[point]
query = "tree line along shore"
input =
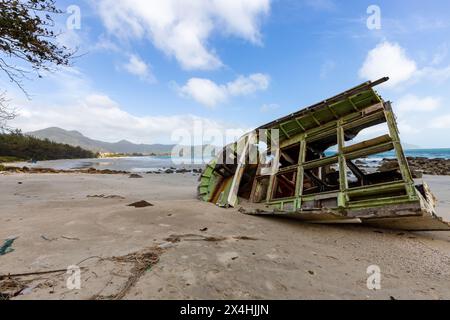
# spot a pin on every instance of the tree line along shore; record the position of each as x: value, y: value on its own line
x: 16, y: 146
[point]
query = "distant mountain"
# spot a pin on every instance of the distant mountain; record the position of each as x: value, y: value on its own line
x: 75, y: 138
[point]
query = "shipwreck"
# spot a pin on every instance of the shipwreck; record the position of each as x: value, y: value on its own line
x: 314, y: 169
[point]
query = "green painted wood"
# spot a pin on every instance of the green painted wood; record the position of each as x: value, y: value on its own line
x: 223, y: 199
x: 391, y: 186
x: 345, y: 112
x: 370, y: 151
x: 273, y: 177
x: 367, y: 144
x: 300, y: 174
x: 321, y: 162
x: 403, y: 163
x: 380, y: 202
x: 207, y: 182
x: 317, y: 118
x: 343, y: 180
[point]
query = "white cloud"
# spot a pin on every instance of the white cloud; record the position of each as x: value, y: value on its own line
x: 412, y: 103
x: 247, y: 85
x: 438, y: 75
x: 69, y: 102
x: 210, y: 94
x: 440, y: 55
x: 99, y: 117
x: 388, y: 59
x: 182, y: 28
x: 204, y: 91
x: 406, y: 128
x: 70, y: 39
x: 410, y: 109
x: 103, y: 43
x: 136, y: 66
x: 441, y: 122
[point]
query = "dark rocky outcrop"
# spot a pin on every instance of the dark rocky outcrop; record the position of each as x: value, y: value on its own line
x: 54, y: 171
x: 420, y: 166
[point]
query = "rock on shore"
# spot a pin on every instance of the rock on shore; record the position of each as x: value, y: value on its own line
x: 419, y: 166
x: 46, y: 170
x: 95, y: 171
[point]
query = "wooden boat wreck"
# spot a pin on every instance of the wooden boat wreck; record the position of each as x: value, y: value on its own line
x: 313, y: 169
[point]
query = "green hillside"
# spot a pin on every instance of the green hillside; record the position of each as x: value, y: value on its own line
x: 16, y: 146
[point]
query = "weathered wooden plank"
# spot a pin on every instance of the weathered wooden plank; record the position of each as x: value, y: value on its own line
x: 367, y: 144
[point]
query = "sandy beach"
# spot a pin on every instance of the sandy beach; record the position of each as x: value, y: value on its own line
x: 200, y: 251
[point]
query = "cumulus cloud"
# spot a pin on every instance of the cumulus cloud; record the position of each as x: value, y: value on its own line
x: 204, y: 91
x: 99, y: 117
x: 390, y: 59
x: 72, y: 104
x: 136, y: 66
x: 181, y: 29
x: 210, y: 94
x: 247, y: 85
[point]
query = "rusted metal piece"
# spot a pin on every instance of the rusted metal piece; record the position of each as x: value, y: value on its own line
x: 315, y: 171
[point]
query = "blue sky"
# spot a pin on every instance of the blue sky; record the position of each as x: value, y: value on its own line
x: 150, y: 68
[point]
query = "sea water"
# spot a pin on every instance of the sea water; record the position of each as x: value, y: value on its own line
x: 150, y: 164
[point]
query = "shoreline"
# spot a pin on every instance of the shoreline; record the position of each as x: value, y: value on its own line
x: 27, y: 170
x: 129, y: 165
x: 418, y: 165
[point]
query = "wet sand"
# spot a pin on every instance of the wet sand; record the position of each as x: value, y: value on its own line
x: 59, y: 225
